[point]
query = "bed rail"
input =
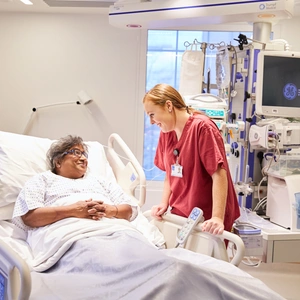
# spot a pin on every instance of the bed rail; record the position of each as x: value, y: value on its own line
x: 129, y: 175
x: 16, y: 275
x: 198, y: 241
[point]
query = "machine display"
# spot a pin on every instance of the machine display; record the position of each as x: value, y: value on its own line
x: 278, y: 84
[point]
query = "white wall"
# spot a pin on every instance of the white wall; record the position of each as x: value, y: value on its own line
x: 49, y: 58
x: 289, y: 31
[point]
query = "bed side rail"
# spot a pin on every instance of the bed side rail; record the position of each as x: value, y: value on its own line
x: 129, y: 175
x: 15, y: 272
x: 198, y: 241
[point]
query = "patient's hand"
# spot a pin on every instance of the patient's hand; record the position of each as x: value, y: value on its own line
x: 89, y: 209
x: 42, y: 216
x: 120, y: 211
x: 95, y: 209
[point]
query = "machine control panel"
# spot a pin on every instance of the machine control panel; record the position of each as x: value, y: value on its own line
x: 213, y: 113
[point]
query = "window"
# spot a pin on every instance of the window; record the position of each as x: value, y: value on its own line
x: 165, y: 49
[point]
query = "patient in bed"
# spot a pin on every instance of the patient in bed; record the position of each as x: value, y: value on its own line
x: 40, y: 201
x: 83, y: 226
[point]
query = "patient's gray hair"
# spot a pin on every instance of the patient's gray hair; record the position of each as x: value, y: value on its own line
x: 59, y: 147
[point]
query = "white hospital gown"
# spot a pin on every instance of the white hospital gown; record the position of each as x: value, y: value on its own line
x: 45, y: 189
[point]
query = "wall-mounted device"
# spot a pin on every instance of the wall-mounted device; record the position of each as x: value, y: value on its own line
x: 165, y: 13
x: 83, y: 97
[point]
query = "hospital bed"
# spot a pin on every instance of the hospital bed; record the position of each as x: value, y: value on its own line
x: 22, y: 156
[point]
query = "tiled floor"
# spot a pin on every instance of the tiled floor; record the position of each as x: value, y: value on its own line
x: 283, y: 278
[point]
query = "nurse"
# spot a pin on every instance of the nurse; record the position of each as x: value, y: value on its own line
x: 191, y: 152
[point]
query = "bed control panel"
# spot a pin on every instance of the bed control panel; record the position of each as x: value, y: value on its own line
x: 3, y: 284
x: 193, y: 219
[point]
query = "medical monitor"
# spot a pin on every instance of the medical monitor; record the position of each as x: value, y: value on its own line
x: 278, y: 84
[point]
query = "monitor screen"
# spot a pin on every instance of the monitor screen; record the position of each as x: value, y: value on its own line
x: 278, y: 84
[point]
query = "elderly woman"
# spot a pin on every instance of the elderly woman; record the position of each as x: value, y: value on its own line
x: 39, y: 204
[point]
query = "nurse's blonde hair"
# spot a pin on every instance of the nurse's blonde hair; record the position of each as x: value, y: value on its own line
x: 163, y: 92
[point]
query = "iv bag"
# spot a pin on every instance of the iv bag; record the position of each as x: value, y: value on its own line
x: 222, y: 69
x: 191, y: 74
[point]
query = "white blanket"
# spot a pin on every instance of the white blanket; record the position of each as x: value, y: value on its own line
x: 50, y: 242
x: 111, y: 259
x: 125, y: 266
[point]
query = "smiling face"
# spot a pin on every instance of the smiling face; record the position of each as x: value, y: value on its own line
x: 71, y: 165
x: 162, y: 116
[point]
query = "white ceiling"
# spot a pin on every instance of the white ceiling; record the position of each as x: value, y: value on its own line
x: 41, y: 6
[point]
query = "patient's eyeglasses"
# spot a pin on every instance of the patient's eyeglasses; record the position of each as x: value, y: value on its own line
x: 77, y: 153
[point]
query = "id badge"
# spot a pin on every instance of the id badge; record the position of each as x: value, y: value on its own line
x: 176, y: 170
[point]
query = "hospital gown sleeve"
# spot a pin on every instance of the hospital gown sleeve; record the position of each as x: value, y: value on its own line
x: 31, y: 196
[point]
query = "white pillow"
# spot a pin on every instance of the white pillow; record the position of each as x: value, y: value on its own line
x: 22, y: 156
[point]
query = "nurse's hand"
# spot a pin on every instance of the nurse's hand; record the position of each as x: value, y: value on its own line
x: 158, y: 210
x: 214, y: 226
